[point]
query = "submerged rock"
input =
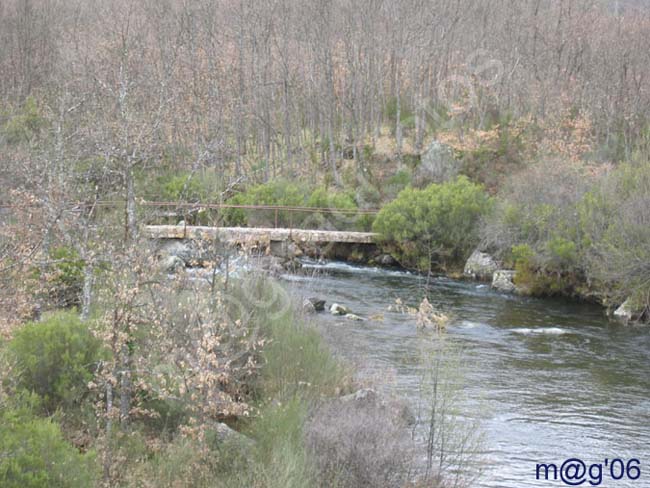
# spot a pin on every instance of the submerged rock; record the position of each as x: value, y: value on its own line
x: 337, y: 309
x: 313, y: 305
x: 503, y: 280
x: 351, y: 316
x: 480, y: 266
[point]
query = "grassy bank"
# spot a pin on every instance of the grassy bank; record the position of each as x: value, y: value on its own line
x: 258, y: 367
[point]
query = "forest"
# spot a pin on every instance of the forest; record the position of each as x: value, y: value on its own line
x: 520, y: 128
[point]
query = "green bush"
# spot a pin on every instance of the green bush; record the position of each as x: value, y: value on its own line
x: 555, y: 273
x: 522, y: 253
x: 297, y: 361
x: 280, y: 193
x: 280, y: 456
x: 348, y: 219
x: 204, y: 185
x: 26, y: 124
x: 563, y: 253
x: 286, y: 194
x: 34, y: 454
x: 182, y: 462
x: 183, y: 187
x: 437, y: 223
x: 277, y: 460
x: 324, y: 198
x: 56, y: 358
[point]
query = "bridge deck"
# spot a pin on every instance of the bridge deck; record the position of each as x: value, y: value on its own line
x: 238, y: 235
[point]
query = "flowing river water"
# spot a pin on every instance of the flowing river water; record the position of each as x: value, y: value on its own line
x: 554, y: 379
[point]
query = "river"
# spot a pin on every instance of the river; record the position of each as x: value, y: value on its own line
x: 555, y: 379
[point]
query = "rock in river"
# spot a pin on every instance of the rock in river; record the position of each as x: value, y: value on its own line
x: 171, y: 264
x: 480, y: 266
x: 312, y: 304
x: 628, y: 312
x: 351, y: 316
x: 337, y: 309
x: 502, y: 280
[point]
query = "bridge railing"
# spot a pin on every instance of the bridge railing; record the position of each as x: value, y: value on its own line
x: 222, y: 214
x: 275, y: 216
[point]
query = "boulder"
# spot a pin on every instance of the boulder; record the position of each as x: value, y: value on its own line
x: 313, y: 305
x: 223, y: 433
x: 337, y: 309
x: 502, y: 280
x: 171, y: 264
x: 480, y: 266
x: 438, y: 165
x: 628, y: 312
x: 386, y: 260
x: 177, y: 247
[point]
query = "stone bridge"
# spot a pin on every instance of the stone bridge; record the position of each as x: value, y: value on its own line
x: 317, y: 243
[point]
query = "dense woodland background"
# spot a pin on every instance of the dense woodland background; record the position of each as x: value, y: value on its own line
x: 273, y: 87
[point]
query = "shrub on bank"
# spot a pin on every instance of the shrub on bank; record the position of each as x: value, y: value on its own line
x: 297, y: 362
x: 615, y: 230
x: 356, y: 444
x: 56, y: 358
x: 34, y: 454
x: 438, y: 224
x: 568, y: 233
x: 543, y: 276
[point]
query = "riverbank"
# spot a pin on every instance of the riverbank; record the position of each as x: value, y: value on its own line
x: 241, y: 391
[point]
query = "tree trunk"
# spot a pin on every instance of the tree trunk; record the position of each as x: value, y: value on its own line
x: 86, y: 296
x: 125, y: 385
x: 131, y: 230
